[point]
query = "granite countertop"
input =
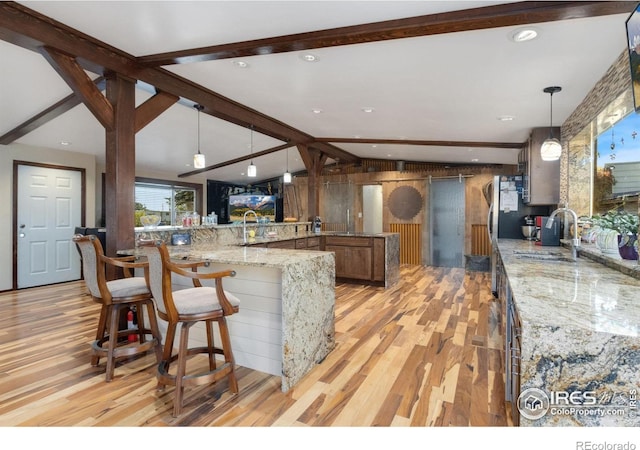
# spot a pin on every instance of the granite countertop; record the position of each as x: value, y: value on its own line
x: 583, y: 295
x: 580, y: 324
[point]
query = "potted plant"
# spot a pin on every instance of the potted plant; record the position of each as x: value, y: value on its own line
x: 620, y: 225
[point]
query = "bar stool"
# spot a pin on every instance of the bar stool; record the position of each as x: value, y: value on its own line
x: 188, y: 307
x: 114, y: 296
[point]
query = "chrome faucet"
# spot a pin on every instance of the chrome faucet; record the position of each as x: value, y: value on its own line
x: 575, y: 242
x: 244, y: 224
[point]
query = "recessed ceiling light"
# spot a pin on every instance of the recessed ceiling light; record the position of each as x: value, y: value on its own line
x: 475, y: 160
x: 506, y: 118
x: 316, y: 110
x: 65, y: 143
x: 524, y: 34
x: 367, y: 109
x: 241, y: 64
x: 308, y: 57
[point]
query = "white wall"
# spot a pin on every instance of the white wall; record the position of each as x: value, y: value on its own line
x: 18, y: 152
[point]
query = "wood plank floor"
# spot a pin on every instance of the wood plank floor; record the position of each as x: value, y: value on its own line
x: 427, y: 352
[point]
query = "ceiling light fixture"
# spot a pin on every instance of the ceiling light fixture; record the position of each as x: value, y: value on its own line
x: 551, y: 148
x: 367, y: 109
x: 241, y: 64
x: 198, y: 158
x: 308, y: 57
x: 252, y: 170
x: 524, y: 34
x: 287, y: 174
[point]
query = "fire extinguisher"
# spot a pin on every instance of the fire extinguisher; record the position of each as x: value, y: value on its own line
x: 133, y: 336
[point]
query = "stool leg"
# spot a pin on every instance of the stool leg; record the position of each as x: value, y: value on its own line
x: 228, y: 353
x: 183, y: 350
x: 211, y: 345
x: 168, y: 348
x: 113, y: 340
x: 102, y: 323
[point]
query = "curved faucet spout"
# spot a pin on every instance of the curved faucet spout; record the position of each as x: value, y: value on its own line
x: 575, y: 242
x: 244, y: 224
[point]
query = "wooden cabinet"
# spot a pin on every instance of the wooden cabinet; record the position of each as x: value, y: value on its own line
x: 541, y: 179
x: 360, y: 258
x: 355, y: 257
x: 308, y: 243
x: 291, y: 243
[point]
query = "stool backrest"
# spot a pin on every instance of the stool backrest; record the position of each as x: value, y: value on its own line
x: 92, y: 266
x: 155, y: 250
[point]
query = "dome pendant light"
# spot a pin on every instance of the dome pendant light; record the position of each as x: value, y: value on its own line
x: 287, y: 174
x: 551, y: 148
x: 251, y: 170
x: 198, y: 158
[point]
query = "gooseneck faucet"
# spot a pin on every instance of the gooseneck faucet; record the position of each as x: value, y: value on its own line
x: 575, y: 242
x: 244, y: 224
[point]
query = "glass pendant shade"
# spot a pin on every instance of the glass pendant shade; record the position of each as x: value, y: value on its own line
x: 251, y: 170
x: 550, y: 150
x: 287, y: 175
x: 198, y: 160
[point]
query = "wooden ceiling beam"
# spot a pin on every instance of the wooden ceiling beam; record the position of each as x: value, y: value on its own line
x: 509, y: 14
x: 29, y: 29
x: 83, y: 86
x: 236, y: 160
x: 474, y: 144
x: 53, y: 111
x: 152, y: 108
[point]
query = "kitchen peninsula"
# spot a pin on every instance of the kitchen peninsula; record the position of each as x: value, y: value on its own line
x: 573, y: 327
x: 287, y: 291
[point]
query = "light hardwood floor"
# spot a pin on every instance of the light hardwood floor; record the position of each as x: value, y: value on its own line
x: 427, y: 352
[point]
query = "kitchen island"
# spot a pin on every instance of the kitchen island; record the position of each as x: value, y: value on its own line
x: 573, y: 338
x: 287, y: 298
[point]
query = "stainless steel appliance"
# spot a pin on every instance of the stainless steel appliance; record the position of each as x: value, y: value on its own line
x: 507, y: 213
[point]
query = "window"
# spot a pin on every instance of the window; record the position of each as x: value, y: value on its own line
x: 167, y: 199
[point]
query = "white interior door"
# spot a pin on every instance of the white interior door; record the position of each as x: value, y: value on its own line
x: 49, y: 208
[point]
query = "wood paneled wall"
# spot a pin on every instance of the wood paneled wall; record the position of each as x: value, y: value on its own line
x: 410, y: 242
x: 480, y: 241
x: 476, y: 207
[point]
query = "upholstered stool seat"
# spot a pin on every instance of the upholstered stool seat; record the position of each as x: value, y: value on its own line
x: 115, y: 296
x: 188, y: 307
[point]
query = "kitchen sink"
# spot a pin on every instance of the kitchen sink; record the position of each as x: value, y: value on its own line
x: 542, y: 255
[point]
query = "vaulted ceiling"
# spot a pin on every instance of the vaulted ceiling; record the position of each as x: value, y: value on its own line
x: 401, y: 80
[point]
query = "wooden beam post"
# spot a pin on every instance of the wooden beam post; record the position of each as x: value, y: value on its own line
x: 120, y: 170
x: 314, y: 161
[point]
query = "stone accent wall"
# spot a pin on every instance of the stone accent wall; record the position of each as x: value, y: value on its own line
x: 615, y: 82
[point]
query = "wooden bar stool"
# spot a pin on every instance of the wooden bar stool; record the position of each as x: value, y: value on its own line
x: 187, y: 307
x: 114, y: 296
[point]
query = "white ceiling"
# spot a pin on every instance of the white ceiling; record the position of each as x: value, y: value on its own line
x: 447, y: 87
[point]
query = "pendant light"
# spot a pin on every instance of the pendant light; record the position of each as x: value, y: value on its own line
x: 287, y: 174
x: 551, y: 148
x: 251, y: 170
x: 198, y: 158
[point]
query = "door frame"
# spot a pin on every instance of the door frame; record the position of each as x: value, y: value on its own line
x: 14, y: 212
